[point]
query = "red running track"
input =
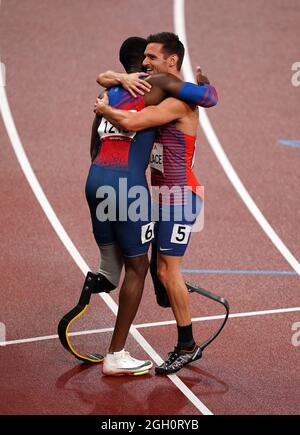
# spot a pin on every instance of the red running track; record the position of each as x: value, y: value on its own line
x: 51, y: 64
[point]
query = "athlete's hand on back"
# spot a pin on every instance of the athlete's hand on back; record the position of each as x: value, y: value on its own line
x: 201, y: 79
x: 134, y: 84
x: 100, y: 103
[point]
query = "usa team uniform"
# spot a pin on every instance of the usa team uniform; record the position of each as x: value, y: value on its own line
x: 181, y: 196
x: 119, y: 168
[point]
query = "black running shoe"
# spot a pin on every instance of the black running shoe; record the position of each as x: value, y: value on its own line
x: 178, y: 359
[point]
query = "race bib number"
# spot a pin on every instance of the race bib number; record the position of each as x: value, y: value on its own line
x: 157, y: 157
x: 147, y: 232
x: 106, y: 129
x: 181, y: 234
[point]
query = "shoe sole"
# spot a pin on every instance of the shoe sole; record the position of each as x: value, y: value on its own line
x: 162, y: 371
x: 127, y: 373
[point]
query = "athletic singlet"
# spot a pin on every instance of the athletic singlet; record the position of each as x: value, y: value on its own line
x: 172, y: 162
x: 120, y: 149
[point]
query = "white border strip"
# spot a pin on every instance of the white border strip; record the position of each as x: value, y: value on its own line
x: 67, y: 242
x: 179, y: 23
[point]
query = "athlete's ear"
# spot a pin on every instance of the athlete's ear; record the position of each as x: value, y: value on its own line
x: 173, y: 59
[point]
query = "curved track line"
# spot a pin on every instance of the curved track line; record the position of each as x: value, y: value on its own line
x: 67, y: 242
x: 179, y: 24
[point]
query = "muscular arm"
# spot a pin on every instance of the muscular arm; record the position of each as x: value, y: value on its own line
x: 163, y: 85
x: 203, y: 94
x: 110, y: 78
x: 168, y: 110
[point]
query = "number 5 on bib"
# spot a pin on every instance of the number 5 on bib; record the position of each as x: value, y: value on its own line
x: 181, y: 234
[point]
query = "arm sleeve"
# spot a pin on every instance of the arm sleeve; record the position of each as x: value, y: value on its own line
x: 200, y: 95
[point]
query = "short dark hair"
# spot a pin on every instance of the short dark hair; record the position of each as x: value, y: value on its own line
x: 171, y: 45
x: 131, y: 53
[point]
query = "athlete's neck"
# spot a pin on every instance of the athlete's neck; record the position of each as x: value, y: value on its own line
x: 174, y: 71
x: 177, y: 74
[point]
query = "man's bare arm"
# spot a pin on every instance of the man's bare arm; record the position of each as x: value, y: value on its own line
x: 203, y: 94
x: 152, y: 116
x: 171, y: 84
x: 164, y: 85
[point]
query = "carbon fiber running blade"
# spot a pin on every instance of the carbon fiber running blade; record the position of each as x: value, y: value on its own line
x: 91, y: 358
x: 193, y: 288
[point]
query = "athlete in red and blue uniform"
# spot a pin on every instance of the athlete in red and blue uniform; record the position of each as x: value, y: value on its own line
x: 181, y: 195
x: 118, y: 168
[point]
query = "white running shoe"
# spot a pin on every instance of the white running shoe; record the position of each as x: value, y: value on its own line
x: 122, y: 363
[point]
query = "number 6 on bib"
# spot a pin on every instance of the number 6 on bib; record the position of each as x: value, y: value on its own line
x: 147, y: 232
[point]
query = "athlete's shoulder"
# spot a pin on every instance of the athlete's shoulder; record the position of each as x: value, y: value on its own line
x: 120, y: 98
x: 165, y: 81
x: 117, y: 92
x: 158, y: 77
x: 175, y: 104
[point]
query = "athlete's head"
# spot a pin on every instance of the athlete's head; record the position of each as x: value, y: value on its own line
x: 164, y: 53
x: 131, y: 53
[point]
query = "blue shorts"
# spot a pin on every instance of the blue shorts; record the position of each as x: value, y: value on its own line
x: 172, y: 231
x: 110, y: 210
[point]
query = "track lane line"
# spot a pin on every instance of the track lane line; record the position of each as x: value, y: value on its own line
x: 180, y: 29
x: 55, y: 336
x: 154, y: 324
x: 67, y: 242
x: 220, y: 317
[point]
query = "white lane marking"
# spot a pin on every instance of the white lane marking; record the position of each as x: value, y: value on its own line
x: 69, y: 245
x: 179, y: 20
x: 154, y: 324
x: 33, y: 181
x: 55, y: 336
x: 2, y: 73
x: 219, y: 317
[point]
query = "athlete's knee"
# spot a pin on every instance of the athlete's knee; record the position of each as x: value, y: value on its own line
x: 162, y: 272
x: 168, y: 272
x: 143, y: 266
x: 138, y: 266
